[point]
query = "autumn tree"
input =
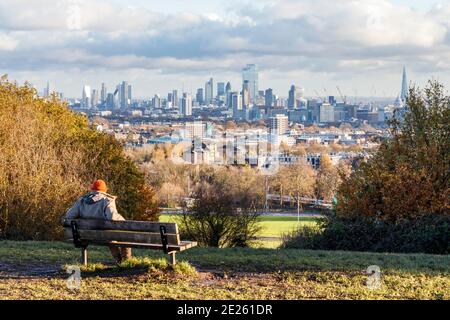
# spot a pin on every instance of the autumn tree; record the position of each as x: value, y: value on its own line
x: 409, y: 177
x: 300, y: 183
x: 49, y: 157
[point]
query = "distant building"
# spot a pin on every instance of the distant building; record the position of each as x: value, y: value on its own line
x: 220, y: 89
x: 404, y: 92
x: 209, y: 91
x: 175, y: 98
x: 103, y: 94
x: 236, y: 104
x: 94, y: 98
x: 124, y: 95
x: 279, y: 124
x: 268, y: 98
x: 250, y: 74
x: 194, y: 130
x: 199, y: 96
x: 186, y: 105
x: 326, y: 113
x: 156, y: 102
x: 245, y: 94
x: 295, y: 95
x: 227, y: 95
x: 86, y: 97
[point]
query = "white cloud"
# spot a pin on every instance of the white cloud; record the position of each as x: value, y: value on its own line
x: 7, y: 43
x: 335, y: 37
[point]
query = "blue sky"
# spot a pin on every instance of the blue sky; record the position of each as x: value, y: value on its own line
x: 359, y: 45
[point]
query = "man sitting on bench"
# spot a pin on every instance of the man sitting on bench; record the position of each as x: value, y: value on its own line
x: 97, y: 204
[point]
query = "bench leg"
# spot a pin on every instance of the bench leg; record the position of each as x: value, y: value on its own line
x: 84, y: 256
x: 172, y: 258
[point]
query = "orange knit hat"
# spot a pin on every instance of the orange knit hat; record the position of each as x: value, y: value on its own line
x: 99, y: 185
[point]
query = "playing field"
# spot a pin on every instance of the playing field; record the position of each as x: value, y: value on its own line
x: 272, y: 227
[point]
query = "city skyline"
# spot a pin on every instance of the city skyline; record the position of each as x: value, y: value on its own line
x: 359, y: 46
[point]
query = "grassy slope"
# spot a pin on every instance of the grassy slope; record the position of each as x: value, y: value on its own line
x: 268, y: 274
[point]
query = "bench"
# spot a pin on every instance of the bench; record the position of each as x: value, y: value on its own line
x: 133, y: 234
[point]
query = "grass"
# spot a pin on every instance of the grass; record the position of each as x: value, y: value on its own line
x: 232, y: 273
x: 271, y: 226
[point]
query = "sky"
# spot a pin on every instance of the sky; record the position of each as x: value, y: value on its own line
x: 358, y: 45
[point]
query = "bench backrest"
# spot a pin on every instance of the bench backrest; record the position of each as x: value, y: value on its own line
x: 123, y: 231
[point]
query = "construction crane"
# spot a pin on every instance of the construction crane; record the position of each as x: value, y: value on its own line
x: 318, y: 95
x: 344, y: 98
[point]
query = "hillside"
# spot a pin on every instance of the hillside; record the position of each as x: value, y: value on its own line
x: 32, y: 270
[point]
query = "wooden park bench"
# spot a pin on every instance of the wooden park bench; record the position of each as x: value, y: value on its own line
x: 134, y: 234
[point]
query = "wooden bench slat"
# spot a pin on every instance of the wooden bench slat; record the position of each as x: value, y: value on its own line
x: 128, y: 225
x: 124, y: 236
x: 152, y: 246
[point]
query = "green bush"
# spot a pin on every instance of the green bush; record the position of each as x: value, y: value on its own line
x: 429, y: 234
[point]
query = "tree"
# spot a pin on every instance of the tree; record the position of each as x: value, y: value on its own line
x: 49, y: 157
x: 301, y: 182
x: 327, y: 180
x: 408, y: 178
x: 225, y: 209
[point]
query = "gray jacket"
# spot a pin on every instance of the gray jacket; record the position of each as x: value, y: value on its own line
x: 94, y: 205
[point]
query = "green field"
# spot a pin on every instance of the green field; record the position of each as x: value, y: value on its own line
x: 272, y: 226
x: 33, y: 270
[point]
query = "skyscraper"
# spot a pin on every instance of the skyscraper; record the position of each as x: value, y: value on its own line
x: 86, y: 97
x: 268, y: 97
x: 295, y: 94
x: 103, y: 94
x: 404, y: 92
x: 125, y: 95
x: 186, y: 104
x: 199, y: 96
x: 250, y: 74
x: 156, y: 102
x: 47, y: 90
x: 246, y: 94
x: 94, y: 98
x: 175, y: 98
x: 236, y: 104
x: 209, y: 91
x: 220, y: 89
x: 227, y: 95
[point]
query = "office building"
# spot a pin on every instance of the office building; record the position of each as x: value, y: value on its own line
x: 295, y: 96
x: 103, y: 94
x: 236, y: 104
x: 199, y: 96
x: 186, y: 105
x: 220, y: 89
x: 175, y: 98
x: 228, y: 95
x: 268, y: 98
x: 326, y: 113
x: 209, y: 91
x: 86, y: 97
x: 250, y: 74
x: 246, y: 94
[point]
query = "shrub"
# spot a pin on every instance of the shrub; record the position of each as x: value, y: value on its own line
x: 429, y: 234
x: 224, y: 212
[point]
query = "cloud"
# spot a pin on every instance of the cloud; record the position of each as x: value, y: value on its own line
x: 340, y: 37
x: 7, y: 43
